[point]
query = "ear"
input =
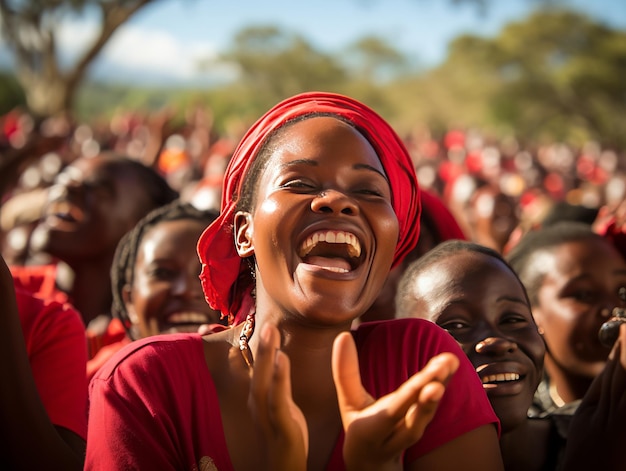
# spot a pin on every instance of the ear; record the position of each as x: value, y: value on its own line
x: 130, y: 309
x: 243, y: 230
x: 538, y: 316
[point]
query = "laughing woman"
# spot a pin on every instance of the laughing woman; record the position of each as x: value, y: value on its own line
x: 320, y: 200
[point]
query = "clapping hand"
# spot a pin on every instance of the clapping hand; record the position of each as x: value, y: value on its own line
x: 378, y: 431
x: 279, y: 419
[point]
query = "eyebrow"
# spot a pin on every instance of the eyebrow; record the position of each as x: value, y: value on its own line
x: 514, y: 300
x: 314, y: 163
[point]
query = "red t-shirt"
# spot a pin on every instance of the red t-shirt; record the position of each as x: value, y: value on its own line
x: 55, y: 341
x: 154, y: 404
x: 41, y: 280
x: 107, y: 351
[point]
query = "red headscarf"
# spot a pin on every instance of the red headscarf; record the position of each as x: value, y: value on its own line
x: 444, y: 223
x: 226, y: 278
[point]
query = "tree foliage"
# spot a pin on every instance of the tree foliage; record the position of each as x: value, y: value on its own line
x: 275, y: 64
x: 556, y: 74
x: 31, y: 28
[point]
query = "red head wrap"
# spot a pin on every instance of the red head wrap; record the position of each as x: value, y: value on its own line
x: 444, y: 223
x: 226, y: 278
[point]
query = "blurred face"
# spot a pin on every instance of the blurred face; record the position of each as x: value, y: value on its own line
x: 579, y: 290
x: 478, y: 300
x: 91, y: 206
x: 323, y: 230
x: 166, y: 294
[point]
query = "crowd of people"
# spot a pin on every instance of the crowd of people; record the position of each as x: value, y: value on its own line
x: 317, y: 292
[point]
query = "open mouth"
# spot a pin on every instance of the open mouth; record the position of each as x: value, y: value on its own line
x: 187, y: 321
x: 65, y: 212
x: 337, y: 251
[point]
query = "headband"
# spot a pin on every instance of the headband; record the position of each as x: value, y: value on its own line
x: 226, y: 278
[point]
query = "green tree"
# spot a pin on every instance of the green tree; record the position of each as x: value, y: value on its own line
x: 556, y: 74
x: 11, y: 94
x: 275, y: 64
x: 374, y: 59
x: 31, y: 28
x: 562, y: 74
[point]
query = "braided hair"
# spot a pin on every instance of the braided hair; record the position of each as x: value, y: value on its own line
x: 123, y: 266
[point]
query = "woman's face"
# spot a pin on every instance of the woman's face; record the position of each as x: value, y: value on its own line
x: 166, y: 294
x: 91, y: 206
x: 579, y: 289
x: 323, y: 230
x: 478, y: 300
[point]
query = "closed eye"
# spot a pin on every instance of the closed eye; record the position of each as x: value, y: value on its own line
x: 453, y: 325
x: 514, y: 320
x: 162, y: 273
x: 298, y: 185
x: 370, y: 192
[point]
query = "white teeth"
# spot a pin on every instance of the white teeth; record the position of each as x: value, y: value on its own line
x: 332, y: 237
x: 500, y: 377
x: 187, y: 317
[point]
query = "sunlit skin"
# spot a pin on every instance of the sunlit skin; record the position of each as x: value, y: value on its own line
x: 579, y: 290
x: 93, y: 203
x: 308, y: 189
x: 482, y: 304
x: 91, y: 206
x: 323, y: 176
x: 384, y: 306
x: 166, y: 295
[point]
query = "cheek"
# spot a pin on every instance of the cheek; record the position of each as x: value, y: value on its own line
x: 388, y: 231
x: 536, y: 349
x: 146, y: 296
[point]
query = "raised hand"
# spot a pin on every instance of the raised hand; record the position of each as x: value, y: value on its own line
x: 378, y: 431
x: 598, y: 428
x: 283, y: 428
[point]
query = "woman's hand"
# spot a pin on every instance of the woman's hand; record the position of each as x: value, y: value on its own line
x: 283, y: 428
x: 378, y: 431
x: 598, y: 428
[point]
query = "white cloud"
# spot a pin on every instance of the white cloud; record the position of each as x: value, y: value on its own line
x: 140, y: 55
x: 152, y: 56
x: 152, y: 51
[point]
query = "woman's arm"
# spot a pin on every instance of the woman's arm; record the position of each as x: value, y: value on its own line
x: 30, y: 440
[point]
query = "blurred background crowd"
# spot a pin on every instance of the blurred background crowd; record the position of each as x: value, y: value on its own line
x: 497, y: 188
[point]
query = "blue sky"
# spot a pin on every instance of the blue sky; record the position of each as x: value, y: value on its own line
x: 165, y: 40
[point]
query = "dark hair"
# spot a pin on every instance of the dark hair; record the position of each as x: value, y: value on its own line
x: 443, y: 250
x: 123, y: 266
x: 563, y: 211
x: 158, y: 191
x: 544, y: 239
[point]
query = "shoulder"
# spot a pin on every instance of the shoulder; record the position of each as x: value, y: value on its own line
x: 152, y: 354
x: 49, y: 319
x: 407, y: 343
x: 397, y: 331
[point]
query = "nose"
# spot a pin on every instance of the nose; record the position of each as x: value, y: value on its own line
x: 495, y: 346
x: 334, y: 201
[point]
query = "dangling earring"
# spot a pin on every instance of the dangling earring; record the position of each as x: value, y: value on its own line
x: 244, y: 338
